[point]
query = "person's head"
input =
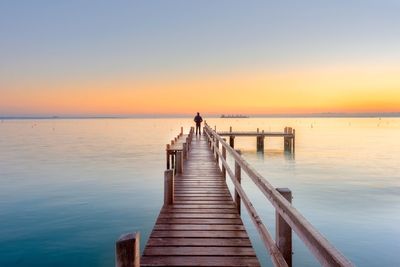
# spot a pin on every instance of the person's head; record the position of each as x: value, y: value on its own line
x: 198, y: 113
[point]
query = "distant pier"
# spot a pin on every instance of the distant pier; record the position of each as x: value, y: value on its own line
x: 200, y: 222
x: 289, y: 137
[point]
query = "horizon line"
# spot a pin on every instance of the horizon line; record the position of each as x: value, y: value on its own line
x: 149, y: 116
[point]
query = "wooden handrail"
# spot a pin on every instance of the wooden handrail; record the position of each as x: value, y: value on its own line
x: 320, y: 247
x: 266, y: 237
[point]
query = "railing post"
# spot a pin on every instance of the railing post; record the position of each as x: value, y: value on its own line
x: 127, y: 250
x: 217, y: 149
x: 179, y: 162
x: 232, y: 141
x: 224, y: 156
x: 169, y: 187
x: 238, y: 177
x: 184, y: 150
x: 294, y: 141
x: 283, y: 231
x: 167, y: 154
x: 286, y: 140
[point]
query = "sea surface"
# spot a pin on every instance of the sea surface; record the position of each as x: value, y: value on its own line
x: 70, y: 187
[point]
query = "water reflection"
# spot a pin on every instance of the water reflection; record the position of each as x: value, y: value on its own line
x: 69, y: 188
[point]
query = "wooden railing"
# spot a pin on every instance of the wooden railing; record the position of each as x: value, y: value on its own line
x: 287, y: 217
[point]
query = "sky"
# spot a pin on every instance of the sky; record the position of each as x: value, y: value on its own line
x: 180, y: 57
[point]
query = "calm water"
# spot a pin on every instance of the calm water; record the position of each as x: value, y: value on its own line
x: 69, y: 188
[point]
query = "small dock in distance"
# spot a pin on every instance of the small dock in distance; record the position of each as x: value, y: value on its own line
x: 288, y: 134
x: 200, y: 222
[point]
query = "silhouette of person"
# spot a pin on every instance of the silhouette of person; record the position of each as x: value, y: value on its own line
x: 198, y: 119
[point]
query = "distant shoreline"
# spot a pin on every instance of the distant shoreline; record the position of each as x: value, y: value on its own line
x: 158, y: 116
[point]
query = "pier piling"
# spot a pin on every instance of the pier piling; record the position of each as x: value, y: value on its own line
x: 127, y: 250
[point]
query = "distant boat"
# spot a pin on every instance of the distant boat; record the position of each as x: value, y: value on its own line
x: 234, y: 116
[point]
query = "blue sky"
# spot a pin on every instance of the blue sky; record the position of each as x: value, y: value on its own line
x: 85, y: 40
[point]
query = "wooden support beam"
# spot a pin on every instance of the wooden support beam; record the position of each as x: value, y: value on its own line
x: 232, y: 141
x: 127, y: 250
x: 217, y: 149
x: 168, y: 156
x: 179, y: 161
x: 238, y: 178
x: 224, y: 157
x: 184, y: 150
x: 168, y: 187
x: 283, y: 231
x: 260, y: 143
x: 294, y: 141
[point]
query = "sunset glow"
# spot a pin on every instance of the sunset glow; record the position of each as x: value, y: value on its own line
x: 129, y: 65
x: 305, y: 91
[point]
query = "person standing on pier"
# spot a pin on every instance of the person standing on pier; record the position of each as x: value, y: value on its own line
x: 198, y: 120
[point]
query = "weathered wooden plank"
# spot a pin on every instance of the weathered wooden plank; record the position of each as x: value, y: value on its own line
x: 182, y: 193
x: 195, y: 215
x: 203, y: 227
x: 201, y: 198
x: 233, y: 211
x: 198, y: 221
x: 199, y: 233
x: 199, y: 242
x: 204, y: 206
x: 210, y: 202
x: 200, y: 251
x: 199, y: 261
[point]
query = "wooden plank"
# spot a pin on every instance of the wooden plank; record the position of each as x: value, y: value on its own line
x: 198, y: 233
x: 195, y: 215
x: 203, y: 227
x: 200, y: 261
x: 210, y: 202
x: 204, y: 206
x: 201, y: 198
x: 233, y: 211
x: 200, y: 251
x: 199, y: 242
x: 198, y: 221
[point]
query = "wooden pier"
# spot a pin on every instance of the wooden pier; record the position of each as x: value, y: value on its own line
x: 200, y: 222
x: 289, y: 137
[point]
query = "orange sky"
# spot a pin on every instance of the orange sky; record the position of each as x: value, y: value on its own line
x: 327, y: 89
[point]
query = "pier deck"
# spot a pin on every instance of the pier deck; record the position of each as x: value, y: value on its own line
x: 200, y: 224
x: 202, y: 227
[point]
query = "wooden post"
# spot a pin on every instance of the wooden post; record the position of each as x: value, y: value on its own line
x: 232, y: 141
x: 217, y: 149
x: 230, y: 129
x: 283, y: 231
x: 184, y: 150
x: 238, y: 177
x: 172, y: 156
x: 127, y: 250
x: 179, y: 162
x: 260, y: 143
x: 224, y: 156
x: 290, y: 139
x: 286, y: 140
x: 181, y: 131
x: 169, y: 187
x: 294, y: 140
x: 167, y: 153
